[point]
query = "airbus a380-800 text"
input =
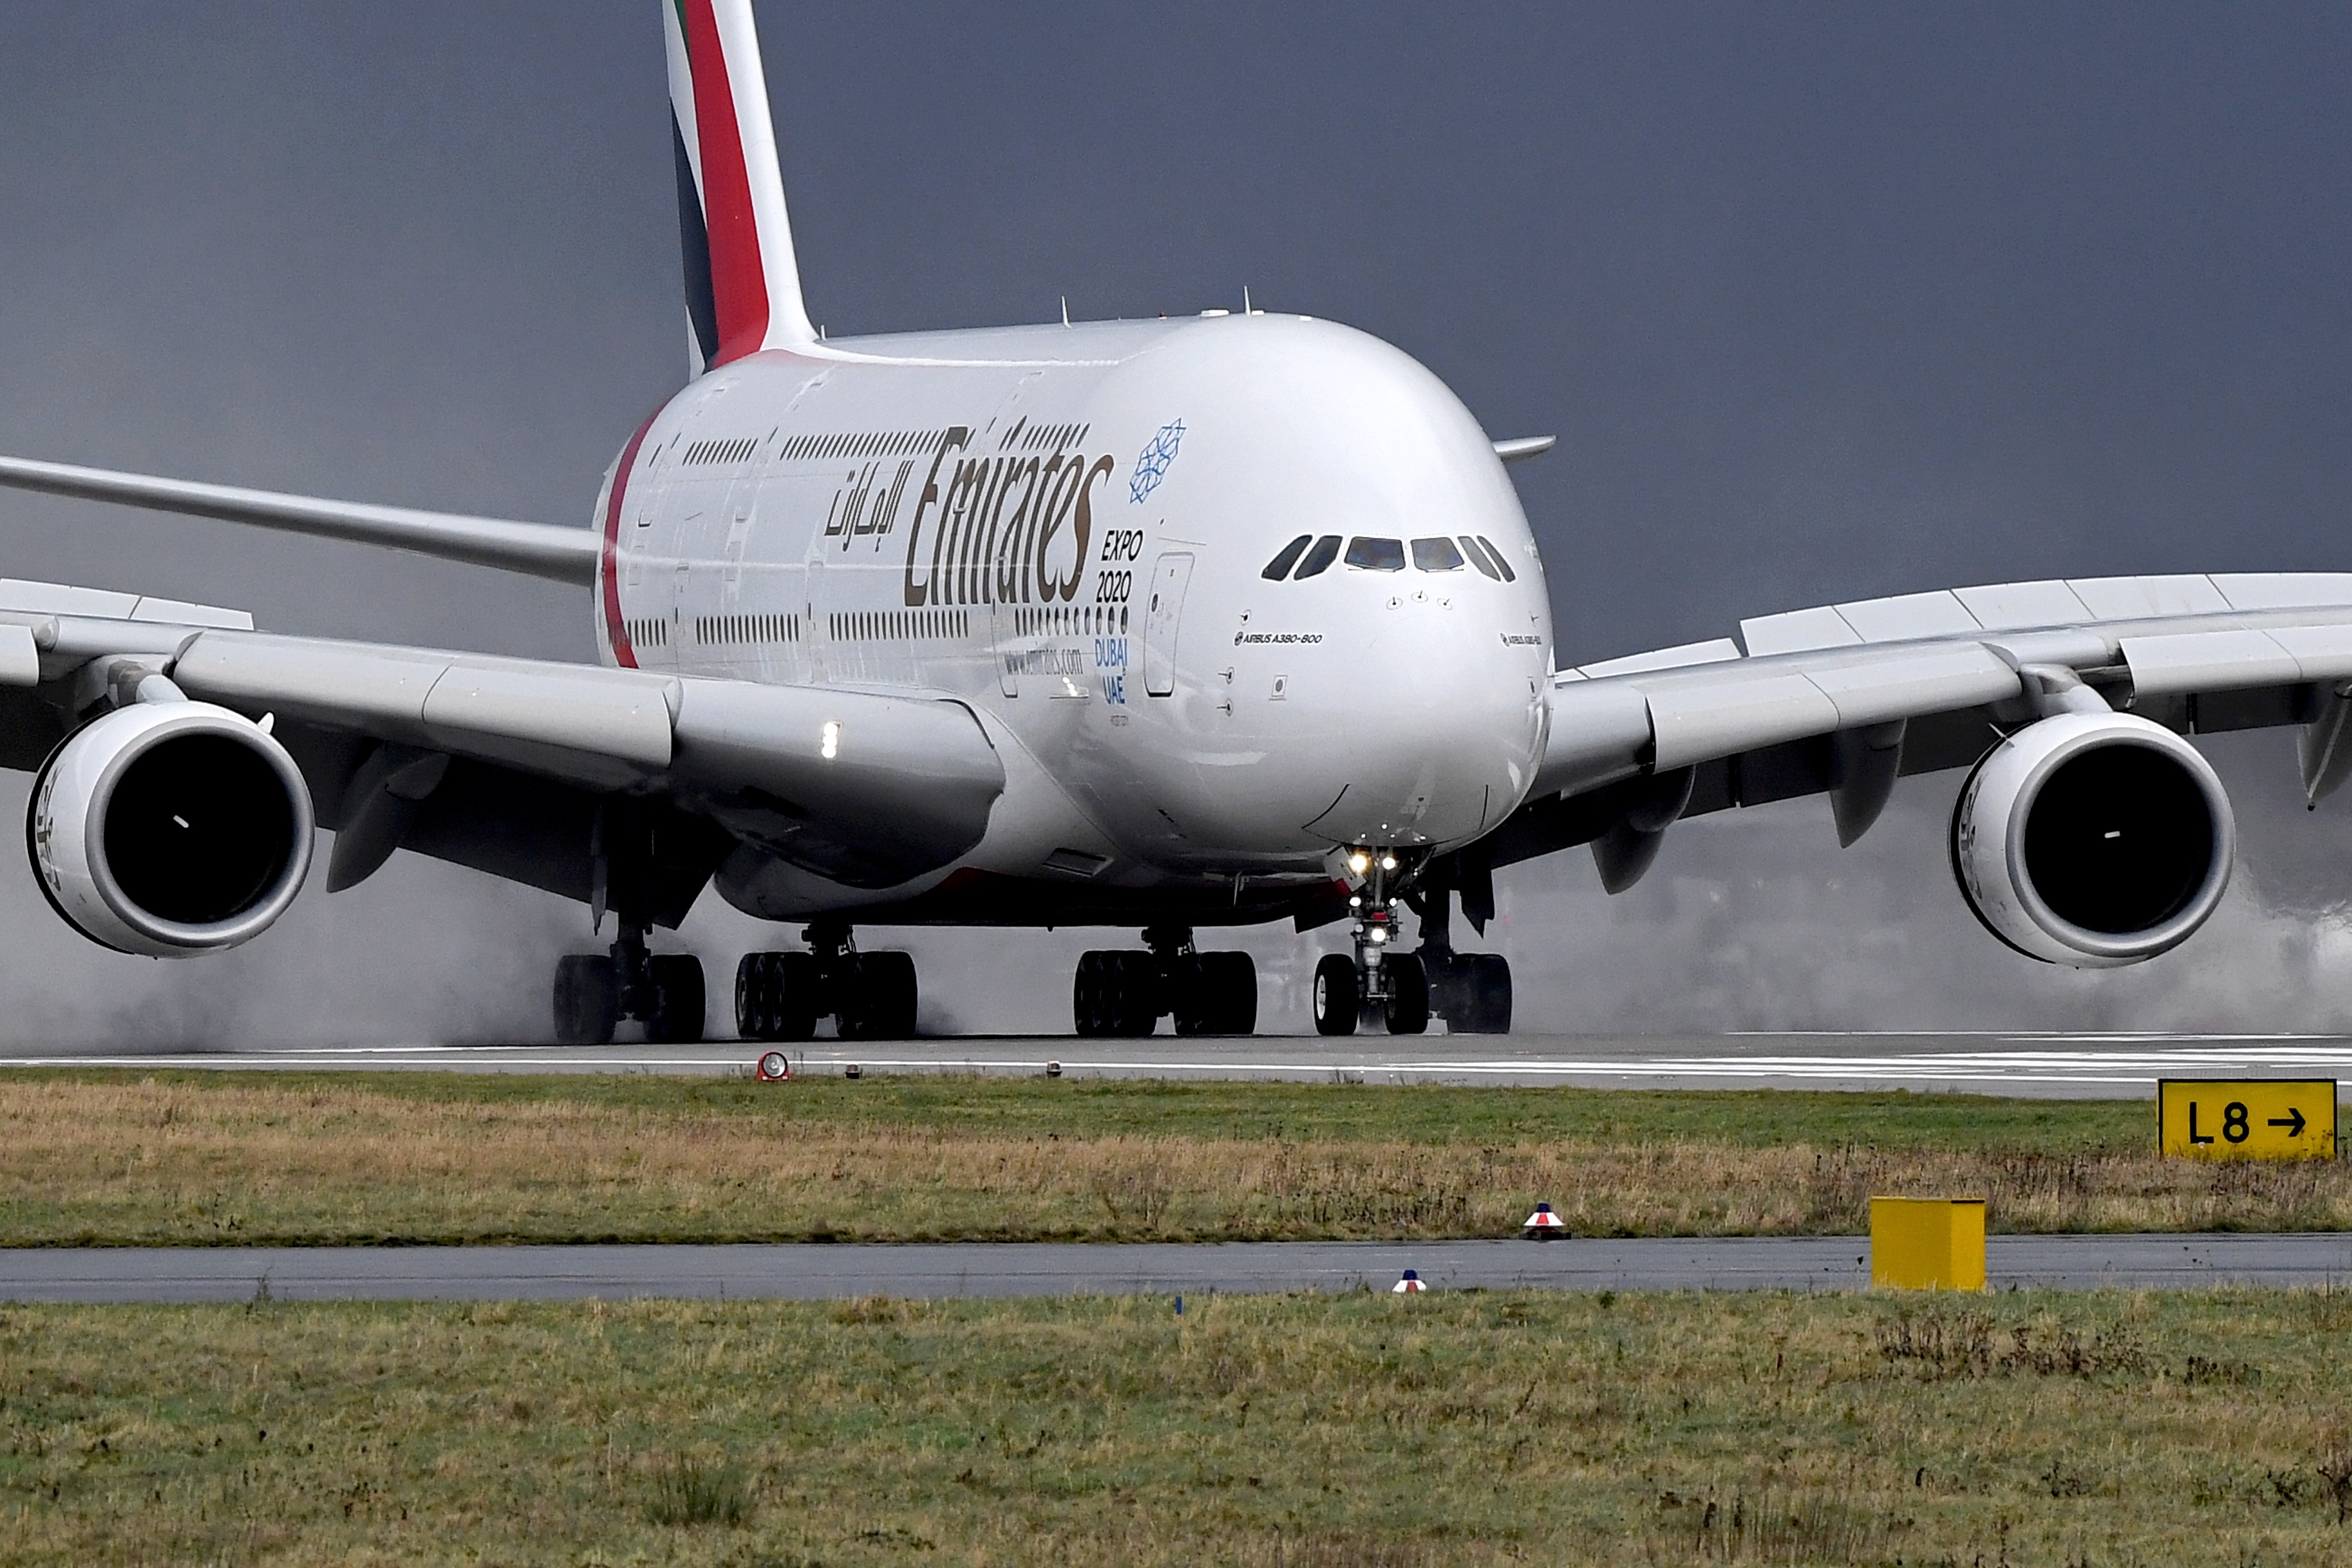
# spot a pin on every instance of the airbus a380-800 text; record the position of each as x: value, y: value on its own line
x: 1166, y: 625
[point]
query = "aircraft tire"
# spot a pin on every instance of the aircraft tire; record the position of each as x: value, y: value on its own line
x: 775, y: 997
x: 677, y: 1016
x: 883, y: 998
x: 1087, y: 1015
x: 1490, y: 991
x: 1135, y: 990
x: 1336, y: 994
x: 1408, y: 999
x: 1230, y: 982
x: 587, y: 999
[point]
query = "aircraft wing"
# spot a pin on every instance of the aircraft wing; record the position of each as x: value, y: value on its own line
x: 535, y: 549
x: 504, y: 764
x: 1843, y: 699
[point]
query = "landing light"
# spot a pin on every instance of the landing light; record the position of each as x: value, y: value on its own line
x: 829, y: 740
x: 1359, y: 862
x: 1379, y: 934
x: 1387, y: 862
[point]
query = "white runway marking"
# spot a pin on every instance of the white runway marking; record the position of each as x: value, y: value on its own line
x: 2091, y: 1066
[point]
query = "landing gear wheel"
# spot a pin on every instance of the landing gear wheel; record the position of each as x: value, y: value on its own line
x: 1229, y: 990
x: 775, y: 997
x: 587, y: 999
x: 879, y: 1004
x: 1490, y: 996
x: 1408, y: 999
x: 1116, y: 994
x: 1336, y: 995
x: 676, y: 1017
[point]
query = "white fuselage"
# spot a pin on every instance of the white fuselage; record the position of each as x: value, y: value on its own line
x: 1068, y: 529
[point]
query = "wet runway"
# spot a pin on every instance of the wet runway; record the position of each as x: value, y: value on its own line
x: 2081, y: 1065
x: 817, y: 1272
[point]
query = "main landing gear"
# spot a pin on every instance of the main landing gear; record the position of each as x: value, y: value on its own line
x: 1127, y: 994
x: 595, y: 991
x: 1380, y: 986
x: 781, y: 995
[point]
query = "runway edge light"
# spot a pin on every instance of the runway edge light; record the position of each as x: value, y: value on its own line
x: 2246, y: 1118
x: 1410, y: 1285
x: 1543, y: 1225
x: 1928, y: 1244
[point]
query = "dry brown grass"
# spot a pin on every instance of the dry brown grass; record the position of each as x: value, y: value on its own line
x: 241, y: 1160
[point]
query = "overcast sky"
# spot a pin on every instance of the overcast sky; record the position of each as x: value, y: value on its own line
x: 1822, y: 301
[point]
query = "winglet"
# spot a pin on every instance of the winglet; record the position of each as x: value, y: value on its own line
x: 742, y: 282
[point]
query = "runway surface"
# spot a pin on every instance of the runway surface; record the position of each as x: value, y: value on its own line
x: 2080, y: 1066
x: 818, y: 1272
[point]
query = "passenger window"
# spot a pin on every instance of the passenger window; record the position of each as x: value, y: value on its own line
x: 1279, y: 567
x: 1318, y: 559
x: 1437, y: 555
x: 1376, y: 554
x: 1508, y: 575
x: 1471, y: 548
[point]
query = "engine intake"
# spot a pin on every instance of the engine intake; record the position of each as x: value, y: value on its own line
x: 169, y: 829
x: 2093, y: 839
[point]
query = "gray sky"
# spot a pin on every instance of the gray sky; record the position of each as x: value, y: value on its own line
x: 1821, y: 300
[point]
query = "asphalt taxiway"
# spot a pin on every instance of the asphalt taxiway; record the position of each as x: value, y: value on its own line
x: 933, y: 1271
x: 2079, y: 1066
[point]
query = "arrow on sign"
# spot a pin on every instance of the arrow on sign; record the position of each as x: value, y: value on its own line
x: 2292, y: 1122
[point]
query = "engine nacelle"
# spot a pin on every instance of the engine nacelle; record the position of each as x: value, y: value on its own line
x: 169, y: 829
x: 2093, y: 839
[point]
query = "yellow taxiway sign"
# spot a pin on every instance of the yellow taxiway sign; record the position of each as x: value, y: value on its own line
x: 2247, y: 1119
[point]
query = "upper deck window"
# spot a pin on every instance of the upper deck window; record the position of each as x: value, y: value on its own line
x: 1376, y: 554
x: 1279, y: 567
x: 1436, y: 555
x: 1318, y: 559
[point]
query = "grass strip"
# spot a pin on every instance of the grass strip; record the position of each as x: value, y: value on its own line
x: 1451, y: 1429
x: 300, y: 1159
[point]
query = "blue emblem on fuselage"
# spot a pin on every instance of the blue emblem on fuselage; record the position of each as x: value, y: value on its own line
x: 1151, y: 466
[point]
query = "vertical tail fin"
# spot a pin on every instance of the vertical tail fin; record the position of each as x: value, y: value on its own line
x: 742, y: 283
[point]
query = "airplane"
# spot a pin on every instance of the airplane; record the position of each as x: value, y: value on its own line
x: 1159, y: 625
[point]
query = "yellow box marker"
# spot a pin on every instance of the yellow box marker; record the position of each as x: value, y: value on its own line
x: 2246, y: 1118
x: 1928, y: 1244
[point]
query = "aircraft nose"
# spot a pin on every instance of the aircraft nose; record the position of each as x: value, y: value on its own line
x: 1444, y: 724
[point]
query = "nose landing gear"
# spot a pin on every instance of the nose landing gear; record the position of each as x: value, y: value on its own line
x: 1127, y: 994
x: 1382, y: 986
x: 870, y: 995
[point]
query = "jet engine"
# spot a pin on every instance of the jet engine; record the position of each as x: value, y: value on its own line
x: 2093, y: 839
x: 169, y: 829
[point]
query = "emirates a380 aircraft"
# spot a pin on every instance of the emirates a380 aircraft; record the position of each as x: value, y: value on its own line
x: 1159, y: 624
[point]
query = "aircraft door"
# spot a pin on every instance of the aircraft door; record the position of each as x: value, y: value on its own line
x: 1169, y: 578
x: 1005, y: 644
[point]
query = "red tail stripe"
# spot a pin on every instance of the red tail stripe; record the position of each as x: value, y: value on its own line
x: 737, y: 281
x: 609, y: 567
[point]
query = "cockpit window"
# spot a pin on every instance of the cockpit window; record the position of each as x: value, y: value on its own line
x: 1376, y: 554
x: 1279, y: 567
x: 1477, y: 554
x: 1319, y: 559
x: 1436, y: 555
x: 1508, y: 575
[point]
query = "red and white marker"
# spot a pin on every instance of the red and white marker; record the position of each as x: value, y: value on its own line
x: 775, y: 1068
x: 1543, y: 1225
x: 1410, y: 1285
